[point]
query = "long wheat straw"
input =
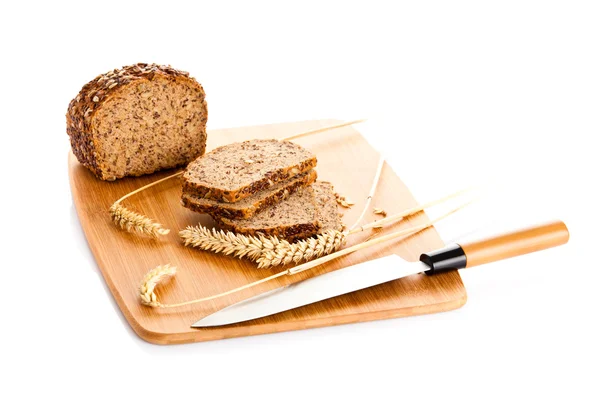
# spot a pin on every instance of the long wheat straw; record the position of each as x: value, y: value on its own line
x: 155, y: 276
x: 371, y: 192
x: 406, y: 213
x: 319, y: 130
x: 134, y: 222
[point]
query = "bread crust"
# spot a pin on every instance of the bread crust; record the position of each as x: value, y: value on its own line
x: 289, y: 232
x: 81, y: 110
x: 228, y: 210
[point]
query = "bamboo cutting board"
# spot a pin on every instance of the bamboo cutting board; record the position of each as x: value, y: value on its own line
x: 344, y: 158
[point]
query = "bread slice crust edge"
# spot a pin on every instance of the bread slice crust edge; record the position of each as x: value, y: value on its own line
x: 227, y: 211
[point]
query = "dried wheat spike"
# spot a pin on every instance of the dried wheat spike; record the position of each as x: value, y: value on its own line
x: 303, y: 250
x: 228, y: 243
x: 154, y: 277
x: 134, y: 222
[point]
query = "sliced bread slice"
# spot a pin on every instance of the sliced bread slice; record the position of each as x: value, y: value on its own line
x: 291, y: 219
x: 249, y: 206
x: 238, y: 170
x: 329, y: 215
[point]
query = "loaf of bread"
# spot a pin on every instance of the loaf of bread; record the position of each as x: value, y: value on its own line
x: 239, y: 170
x: 293, y: 218
x: 249, y: 206
x: 327, y: 208
x: 138, y: 120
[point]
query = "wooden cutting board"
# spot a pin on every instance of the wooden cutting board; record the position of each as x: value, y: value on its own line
x: 344, y: 158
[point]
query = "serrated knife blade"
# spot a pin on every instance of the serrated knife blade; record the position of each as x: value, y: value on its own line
x: 331, y: 284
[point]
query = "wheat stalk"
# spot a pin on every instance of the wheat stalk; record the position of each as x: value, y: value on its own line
x: 151, y: 279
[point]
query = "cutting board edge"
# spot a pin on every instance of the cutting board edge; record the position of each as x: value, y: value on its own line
x: 161, y: 338
x: 123, y: 308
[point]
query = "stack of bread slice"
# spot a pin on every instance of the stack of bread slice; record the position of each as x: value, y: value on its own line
x: 261, y: 186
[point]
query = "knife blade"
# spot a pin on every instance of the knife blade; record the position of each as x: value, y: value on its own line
x: 385, y: 269
x: 331, y: 284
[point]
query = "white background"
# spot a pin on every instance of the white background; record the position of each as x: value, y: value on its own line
x: 504, y: 94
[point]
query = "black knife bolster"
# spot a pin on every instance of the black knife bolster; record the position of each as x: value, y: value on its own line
x: 447, y: 259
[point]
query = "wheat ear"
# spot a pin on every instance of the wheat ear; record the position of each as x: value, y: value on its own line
x: 285, y: 252
x: 151, y: 279
x: 228, y: 243
x: 134, y: 222
x: 277, y: 251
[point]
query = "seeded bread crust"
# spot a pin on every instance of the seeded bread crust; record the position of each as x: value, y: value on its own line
x: 82, y: 109
x: 304, y: 197
x: 246, y: 208
x: 236, y: 160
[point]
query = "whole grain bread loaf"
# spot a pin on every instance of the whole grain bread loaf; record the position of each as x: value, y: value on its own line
x: 138, y: 120
x: 236, y: 171
x: 249, y: 206
x: 291, y: 219
x: 329, y: 215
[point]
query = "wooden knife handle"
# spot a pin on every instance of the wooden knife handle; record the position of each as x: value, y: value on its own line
x: 516, y: 243
x: 497, y: 248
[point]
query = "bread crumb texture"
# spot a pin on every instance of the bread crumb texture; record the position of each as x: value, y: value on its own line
x: 238, y: 170
x: 329, y: 217
x: 294, y: 218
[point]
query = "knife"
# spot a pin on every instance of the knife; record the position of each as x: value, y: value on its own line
x: 389, y: 268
